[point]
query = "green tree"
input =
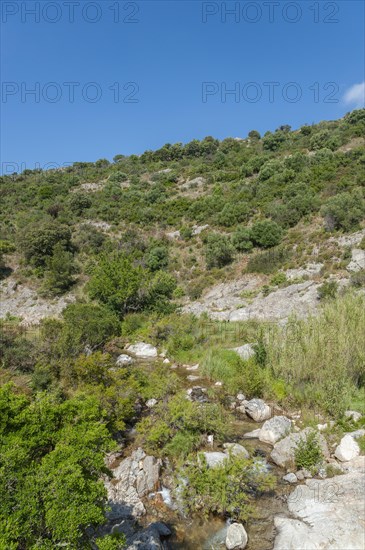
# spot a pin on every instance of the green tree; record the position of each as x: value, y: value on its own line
x: 37, y: 241
x: 344, y: 211
x: 241, y: 240
x: 60, y: 269
x: 51, y: 462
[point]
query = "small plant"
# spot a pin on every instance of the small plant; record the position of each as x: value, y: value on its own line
x: 328, y: 290
x: 361, y: 443
x: 278, y: 279
x: 308, y: 454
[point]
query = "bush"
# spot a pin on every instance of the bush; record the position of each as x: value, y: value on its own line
x: 241, y: 240
x: 268, y: 261
x: 328, y: 290
x: 218, y: 250
x: 308, y: 453
x: 59, y: 271
x: 266, y: 234
x: 228, y: 489
x: 158, y: 258
x: 38, y: 241
x: 344, y: 211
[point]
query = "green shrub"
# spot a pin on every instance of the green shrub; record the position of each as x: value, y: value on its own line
x: 358, y: 279
x: 60, y: 269
x: 228, y: 489
x: 268, y: 261
x: 328, y: 290
x: 241, y: 240
x: 266, y: 234
x: 38, y: 241
x: 308, y: 453
x: 278, y: 279
x: 344, y: 211
x: 218, y: 250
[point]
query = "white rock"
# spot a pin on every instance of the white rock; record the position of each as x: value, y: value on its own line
x: 275, y: 429
x: 347, y: 449
x: 166, y: 361
x: 245, y: 352
x: 124, y: 359
x: 325, y: 515
x: 235, y: 449
x: 192, y: 367
x: 143, y: 350
x: 252, y: 435
x: 192, y: 377
x: 151, y: 403
x: 236, y: 538
x: 283, y: 452
x: 241, y: 397
x: 258, y: 410
x: 214, y: 458
x: 290, y: 478
x: 240, y: 408
x: 357, y: 260
x: 353, y: 414
x: 218, y: 383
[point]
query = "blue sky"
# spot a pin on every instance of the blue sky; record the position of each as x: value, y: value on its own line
x: 175, y: 60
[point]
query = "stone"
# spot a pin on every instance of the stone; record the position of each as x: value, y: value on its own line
x: 325, y: 515
x: 148, y: 539
x: 124, y: 359
x: 235, y: 449
x: 133, y: 479
x: 354, y: 415
x: 258, y: 410
x: 300, y: 475
x: 193, y: 377
x: 151, y: 403
x: 240, y: 397
x: 347, y: 449
x: 214, y: 458
x: 283, y: 452
x: 357, y: 260
x: 275, y: 429
x: 142, y: 350
x: 236, y: 537
x: 290, y: 478
x: 255, y: 434
x: 245, y: 352
x: 241, y: 408
x: 166, y: 361
x: 192, y: 367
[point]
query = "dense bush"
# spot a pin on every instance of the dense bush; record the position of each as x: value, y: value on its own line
x: 344, y: 211
x: 38, y: 241
x: 218, y: 250
x: 241, y: 240
x: 268, y: 261
x: 266, y: 233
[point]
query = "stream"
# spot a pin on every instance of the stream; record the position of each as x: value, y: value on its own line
x: 199, y: 533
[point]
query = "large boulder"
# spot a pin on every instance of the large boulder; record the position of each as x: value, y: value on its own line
x: 142, y: 350
x: 133, y: 479
x: 325, y: 515
x: 283, y: 453
x: 149, y: 538
x: 347, y: 449
x: 257, y: 409
x: 236, y: 538
x: 275, y: 429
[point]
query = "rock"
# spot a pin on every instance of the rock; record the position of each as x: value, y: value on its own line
x: 236, y: 537
x: 347, y: 449
x: 354, y: 415
x: 192, y: 367
x: 143, y: 350
x: 133, y: 479
x: 124, y: 359
x: 197, y: 393
x: 325, y: 515
x: 245, y: 352
x: 357, y: 433
x: 149, y: 538
x: 309, y: 271
x: 257, y: 410
x: 166, y: 361
x: 284, y: 451
x: 255, y: 434
x: 275, y: 429
x: 240, y: 397
x: 240, y: 408
x: 290, y: 478
x: 300, y: 475
x: 218, y: 383
x: 214, y: 458
x: 151, y: 403
x: 193, y: 377
x: 235, y: 449
x: 357, y: 260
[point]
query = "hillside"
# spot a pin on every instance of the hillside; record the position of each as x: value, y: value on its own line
x: 173, y: 303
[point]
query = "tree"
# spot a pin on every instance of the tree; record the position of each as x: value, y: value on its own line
x: 51, y: 462
x: 218, y: 250
x: 37, y: 241
x: 117, y: 283
x: 254, y: 135
x: 266, y: 233
x: 158, y: 258
x: 59, y: 270
x: 344, y: 211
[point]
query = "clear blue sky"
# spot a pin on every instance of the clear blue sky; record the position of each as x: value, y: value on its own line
x: 169, y: 52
